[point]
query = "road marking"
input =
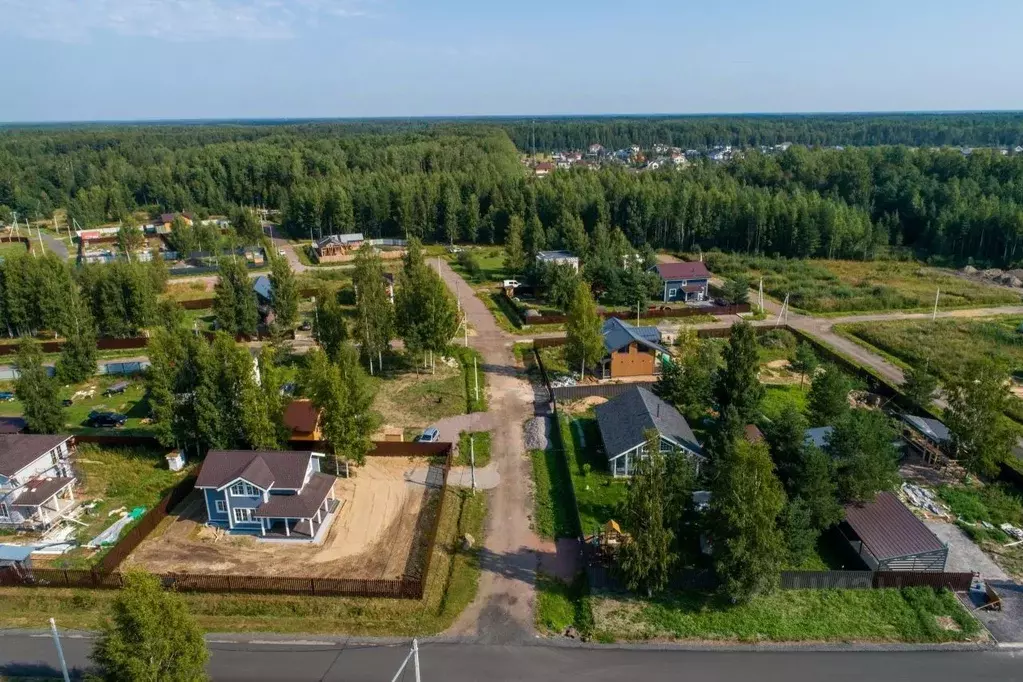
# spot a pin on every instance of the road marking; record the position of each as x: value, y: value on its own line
x: 291, y: 642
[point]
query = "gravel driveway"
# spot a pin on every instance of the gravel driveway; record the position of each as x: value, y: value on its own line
x: 963, y: 555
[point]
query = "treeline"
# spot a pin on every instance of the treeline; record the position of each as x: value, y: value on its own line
x: 701, y: 132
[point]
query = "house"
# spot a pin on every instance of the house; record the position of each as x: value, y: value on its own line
x: 889, y: 537
x: 631, y: 351
x: 625, y: 420
x: 928, y: 437
x: 339, y: 246
x: 281, y: 495
x: 543, y: 168
x: 753, y: 434
x: 686, y: 282
x: 164, y: 223
x: 818, y: 436
x: 558, y: 258
x: 36, y: 481
x: 263, y: 288
x: 596, y: 149
x: 303, y: 420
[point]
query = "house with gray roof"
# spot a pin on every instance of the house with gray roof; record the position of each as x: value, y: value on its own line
x: 558, y: 258
x: 626, y: 420
x: 277, y: 495
x: 631, y: 351
x: 36, y: 480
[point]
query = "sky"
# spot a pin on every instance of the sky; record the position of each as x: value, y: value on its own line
x: 74, y: 60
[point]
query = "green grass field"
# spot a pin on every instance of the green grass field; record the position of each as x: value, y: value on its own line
x: 909, y: 615
x: 480, y: 447
x: 450, y: 586
x: 491, y: 266
x: 131, y: 403
x: 835, y: 286
x: 779, y: 397
x: 598, y: 494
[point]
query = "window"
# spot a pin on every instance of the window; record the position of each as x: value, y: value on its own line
x: 221, y: 506
x: 243, y: 515
x: 672, y: 293
x: 4, y: 513
x: 243, y: 489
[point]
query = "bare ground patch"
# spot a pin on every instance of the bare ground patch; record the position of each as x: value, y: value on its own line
x: 377, y: 534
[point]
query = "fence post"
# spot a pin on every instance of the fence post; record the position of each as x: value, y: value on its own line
x: 312, y: 586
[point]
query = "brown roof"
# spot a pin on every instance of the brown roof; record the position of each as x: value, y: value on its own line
x: 12, y: 424
x: 282, y: 469
x: 19, y: 450
x: 301, y: 506
x: 38, y: 490
x: 889, y: 529
x: 753, y: 434
x: 690, y: 270
x: 301, y: 415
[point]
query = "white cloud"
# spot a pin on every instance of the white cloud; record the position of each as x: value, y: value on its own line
x: 169, y: 20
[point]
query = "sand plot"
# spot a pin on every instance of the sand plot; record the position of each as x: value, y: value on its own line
x: 380, y: 526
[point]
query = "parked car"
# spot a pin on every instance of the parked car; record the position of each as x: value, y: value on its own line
x: 116, y: 389
x: 430, y: 435
x: 455, y: 249
x: 105, y: 420
x: 6, y: 396
x: 305, y: 326
x: 67, y: 402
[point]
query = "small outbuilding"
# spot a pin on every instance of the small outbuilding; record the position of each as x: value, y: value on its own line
x: 887, y: 536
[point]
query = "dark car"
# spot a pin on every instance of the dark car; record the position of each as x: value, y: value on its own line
x: 119, y: 387
x: 105, y: 420
x: 305, y: 326
x: 6, y: 396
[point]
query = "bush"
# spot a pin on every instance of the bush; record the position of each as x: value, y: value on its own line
x: 467, y: 260
x: 778, y: 338
x: 996, y: 504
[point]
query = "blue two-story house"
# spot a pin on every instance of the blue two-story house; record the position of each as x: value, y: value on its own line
x: 270, y: 494
x: 686, y: 282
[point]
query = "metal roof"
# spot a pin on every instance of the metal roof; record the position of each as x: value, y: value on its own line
x: 263, y: 287
x: 555, y: 255
x: 932, y: 428
x: 818, y: 436
x: 282, y: 469
x: 689, y: 270
x: 19, y: 450
x: 301, y: 415
x: 618, y: 334
x: 625, y: 420
x: 889, y: 529
x: 39, y: 490
x: 15, y: 552
x: 302, y: 505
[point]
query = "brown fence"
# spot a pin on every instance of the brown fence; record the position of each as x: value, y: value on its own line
x: 118, y: 440
x: 602, y: 390
x: 649, y: 314
x: 105, y: 343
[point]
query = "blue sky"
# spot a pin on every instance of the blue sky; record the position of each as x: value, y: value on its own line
x: 167, y: 59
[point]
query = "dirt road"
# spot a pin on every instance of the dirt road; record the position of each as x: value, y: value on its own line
x: 503, y: 609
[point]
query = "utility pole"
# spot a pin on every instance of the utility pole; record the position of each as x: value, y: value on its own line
x: 937, y: 294
x: 413, y: 656
x: 60, y: 651
x: 760, y: 300
x: 472, y: 460
x: 476, y: 377
x: 784, y: 312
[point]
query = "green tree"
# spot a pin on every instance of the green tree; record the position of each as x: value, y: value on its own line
x: 799, y: 530
x: 646, y: 559
x: 342, y: 393
x: 263, y: 405
x: 37, y: 390
x: 514, y: 251
x: 746, y: 501
x: 167, y: 356
x: 687, y: 380
x: 247, y: 224
x: 815, y: 485
x: 584, y: 343
x: 919, y: 386
x: 738, y: 384
x: 865, y: 459
x: 283, y: 293
x: 149, y: 637
x: 680, y: 480
x: 828, y: 399
x: 736, y: 290
x: 977, y: 401
x: 471, y: 218
x: 77, y: 360
x: 330, y: 326
x: 374, y: 321
x: 130, y: 239
x: 560, y: 283
x: 804, y: 361
x: 786, y: 436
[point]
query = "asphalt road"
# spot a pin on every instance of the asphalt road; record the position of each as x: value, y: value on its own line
x: 253, y: 660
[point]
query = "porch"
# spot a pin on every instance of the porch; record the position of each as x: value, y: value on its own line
x: 41, y: 503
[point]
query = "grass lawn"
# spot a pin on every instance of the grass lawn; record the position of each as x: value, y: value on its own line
x: 598, y: 494
x: 116, y: 478
x: 836, y: 286
x: 451, y: 585
x: 491, y: 263
x: 480, y: 448
x: 131, y: 403
x: 554, y: 361
x: 561, y: 605
x: 942, y: 345
x: 12, y: 249
x: 474, y: 376
x: 778, y: 397
x: 186, y: 291
x: 554, y: 516
x: 918, y: 614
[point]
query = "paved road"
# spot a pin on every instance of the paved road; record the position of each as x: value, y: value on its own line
x: 255, y: 660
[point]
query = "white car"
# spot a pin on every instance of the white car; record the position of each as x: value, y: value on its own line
x: 512, y: 283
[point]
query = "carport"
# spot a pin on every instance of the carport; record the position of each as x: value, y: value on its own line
x: 889, y: 537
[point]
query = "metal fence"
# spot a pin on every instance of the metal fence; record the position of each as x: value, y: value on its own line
x: 123, y: 367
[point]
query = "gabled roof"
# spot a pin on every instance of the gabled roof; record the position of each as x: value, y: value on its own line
x: 555, y: 255
x: 301, y: 415
x: 263, y: 468
x: 931, y: 428
x: 39, y: 490
x: 302, y: 505
x: 340, y: 239
x: 889, y: 529
x: 618, y: 334
x: 263, y: 287
x: 19, y: 450
x: 690, y: 270
x: 625, y: 420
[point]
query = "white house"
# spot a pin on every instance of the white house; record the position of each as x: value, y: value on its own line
x: 36, y: 480
x: 558, y: 258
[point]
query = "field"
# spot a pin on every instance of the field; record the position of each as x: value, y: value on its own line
x: 480, y: 448
x: 491, y: 266
x: 115, y: 478
x: 450, y: 586
x: 598, y: 494
x: 942, y: 345
x: 408, y: 400
x: 907, y: 615
x: 187, y: 291
x: 835, y: 286
x: 12, y: 249
x: 377, y: 534
x: 131, y: 403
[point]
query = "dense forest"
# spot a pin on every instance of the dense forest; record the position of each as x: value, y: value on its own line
x: 463, y: 180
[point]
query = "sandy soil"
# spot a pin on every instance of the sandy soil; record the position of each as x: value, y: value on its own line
x: 778, y: 372
x: 372, y: 536
x: 582, y: 405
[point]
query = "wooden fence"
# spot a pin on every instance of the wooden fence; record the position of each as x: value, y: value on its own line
x: 104, y: 575
x: 651, y: 313
x: 602, y: 390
